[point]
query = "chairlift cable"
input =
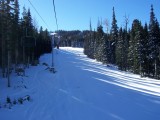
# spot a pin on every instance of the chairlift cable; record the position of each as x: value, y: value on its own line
x: 55, y: 14
x: 39, y: 14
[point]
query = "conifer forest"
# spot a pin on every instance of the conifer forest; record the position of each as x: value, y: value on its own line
x: 21, y: 43
x: 135, y: 49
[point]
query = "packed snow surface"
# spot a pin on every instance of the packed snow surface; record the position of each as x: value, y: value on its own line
x: 81, y: 89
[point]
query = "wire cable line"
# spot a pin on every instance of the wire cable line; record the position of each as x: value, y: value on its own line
x: 55, y: 14
x: 39, y: 14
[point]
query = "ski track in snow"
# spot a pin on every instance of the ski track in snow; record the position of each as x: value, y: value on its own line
x: 83, y: 89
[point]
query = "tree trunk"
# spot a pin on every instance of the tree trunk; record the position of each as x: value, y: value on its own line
x: 155, y: 67
x: 8, y: 69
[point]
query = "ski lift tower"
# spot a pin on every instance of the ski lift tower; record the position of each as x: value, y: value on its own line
x: 52, y: 43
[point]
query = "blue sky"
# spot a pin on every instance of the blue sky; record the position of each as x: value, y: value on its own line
x: 76, y: 14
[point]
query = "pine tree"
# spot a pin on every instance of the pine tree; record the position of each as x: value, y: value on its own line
x: 85, y: 46
x: 23, y: 34
x: 144, y: 53
x: 154, y: 41
x: 157, y: 51
x: 29, y: 24
x: 13, y: 35
x: 120, y: 53
x: 126, y: 43
x: 105, y: 49
x: 91, y: 43
x: 98, y: 45
x: 16, y: 32
x: 9, y: 40
x: 134, y: 54
x: 140, y: 49
x: 114, y: 38
x: 3, y: 37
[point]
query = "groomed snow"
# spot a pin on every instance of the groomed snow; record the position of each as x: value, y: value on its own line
x: 81, y: 89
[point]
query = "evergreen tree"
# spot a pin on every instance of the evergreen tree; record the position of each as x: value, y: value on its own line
x: 105, y: 49
x: 154, y: 41
x: 114, y: 38
x: 15, y: 32
x: 98, y: 45
x: 17, y: 38
x: 134, y: 47
x: 91, y: 43
x: 3, y: 37
x: 140, y: 49
x: 29, y: 24
x: 144, y: 53
x: 9, y: 40
x: 86, y: 44
x: 126, y: 47
x: 120, y: 53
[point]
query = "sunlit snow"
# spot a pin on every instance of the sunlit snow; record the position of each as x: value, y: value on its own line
x: 81, y: 89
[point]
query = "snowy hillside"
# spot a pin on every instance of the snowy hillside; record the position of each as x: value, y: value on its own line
x: 81, y: 89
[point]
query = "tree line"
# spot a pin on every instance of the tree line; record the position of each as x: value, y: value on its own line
x: 136, y: 50
x: 73, y: 38
x: 21, y: 43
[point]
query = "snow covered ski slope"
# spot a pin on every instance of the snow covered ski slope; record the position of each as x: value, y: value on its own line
x: 81, y: 89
